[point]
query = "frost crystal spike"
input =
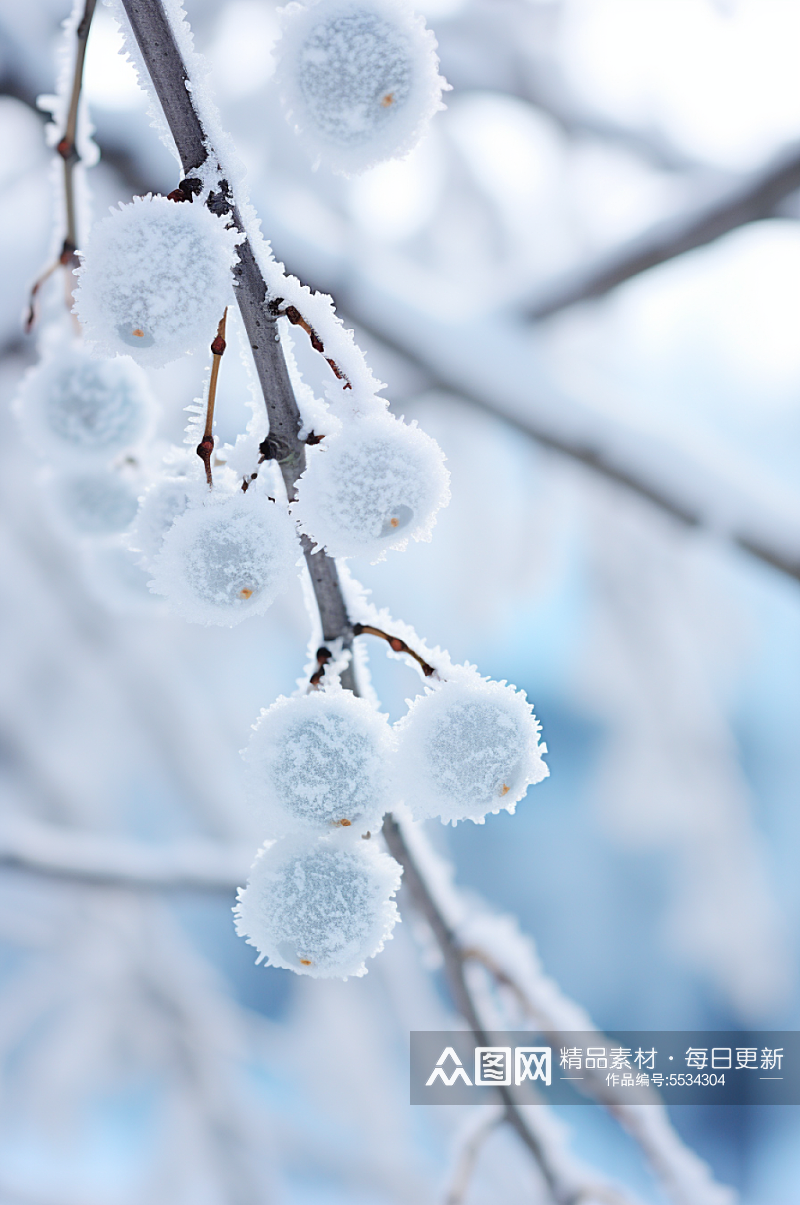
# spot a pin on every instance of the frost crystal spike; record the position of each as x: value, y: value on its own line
x: 155, y: 280
x: 372, y: 488
x: 468, y: 748
x: 319, y: 907
x: 226, y: 559
x: 319, y: 761
x: 358, y: 78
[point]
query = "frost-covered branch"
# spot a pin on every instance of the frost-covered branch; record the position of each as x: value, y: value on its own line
x: 757, y: 198
x: 414, y: 879
x: 689, y: 482
x: 468, y: 1158
x: 169, y: 75
x: 684, y: 1176
x: 101, y: 860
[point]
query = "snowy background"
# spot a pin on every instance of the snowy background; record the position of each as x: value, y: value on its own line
x: 144, y: 1056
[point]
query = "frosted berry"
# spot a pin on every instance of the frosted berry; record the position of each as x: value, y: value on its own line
x: 73, y: 405
x: 467, y: 748
x: 371, y: 488
x: 358, y: 78
x: 319, y: 762
x: 320, y: 906
x: 155, y: 280
x: 97, y: 503
x: 226, y: 559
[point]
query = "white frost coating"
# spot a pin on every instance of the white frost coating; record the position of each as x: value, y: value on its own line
x: 73, y: 405
x: 358, y: 78
x: 319, y: 907
x: 226, y: 559
x: 371, y: 488
x: 467, y: 748
x: 163, y: 502
x: 155, y: 280
x: 100, y: 503
x: 319, y: 761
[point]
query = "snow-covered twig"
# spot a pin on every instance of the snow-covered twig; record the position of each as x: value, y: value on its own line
x: 684, y: 1176
x: 563, y: 1189
x: 687, y: 481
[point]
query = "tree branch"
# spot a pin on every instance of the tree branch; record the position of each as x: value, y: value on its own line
x: 454, y: 959
x: 752, y: 201
x: 595, y: 458
x: 102, y: 861
x: 170, y: 76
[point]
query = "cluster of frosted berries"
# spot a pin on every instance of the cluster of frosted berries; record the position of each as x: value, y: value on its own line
x: 155, y: 280
x: 319, y: 900
x: 468, y: 748
x: 323, y: 767
x: 87, y: 410
x: 226, y: 559
x: 372, y: 488
x: 358, y: 79
x: 319, y: 909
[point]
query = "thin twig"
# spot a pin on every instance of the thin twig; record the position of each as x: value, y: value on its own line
x: 294, y: 316
x: 206, y: 446
x: 396, y: 645
x: 752, y: 201
x: 68, y: 150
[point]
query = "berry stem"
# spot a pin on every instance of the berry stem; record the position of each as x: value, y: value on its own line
x: 206, y: 445
x: 396, y: 645
x: 68, y: 151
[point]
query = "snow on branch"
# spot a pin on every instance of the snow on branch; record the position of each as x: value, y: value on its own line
x: 758, y: 197
x: 98, y: 859
x: 492, y: 363
x: 463, y: 937
x: 160, y: 58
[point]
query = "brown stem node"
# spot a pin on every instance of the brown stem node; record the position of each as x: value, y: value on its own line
x: 204, y: 450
